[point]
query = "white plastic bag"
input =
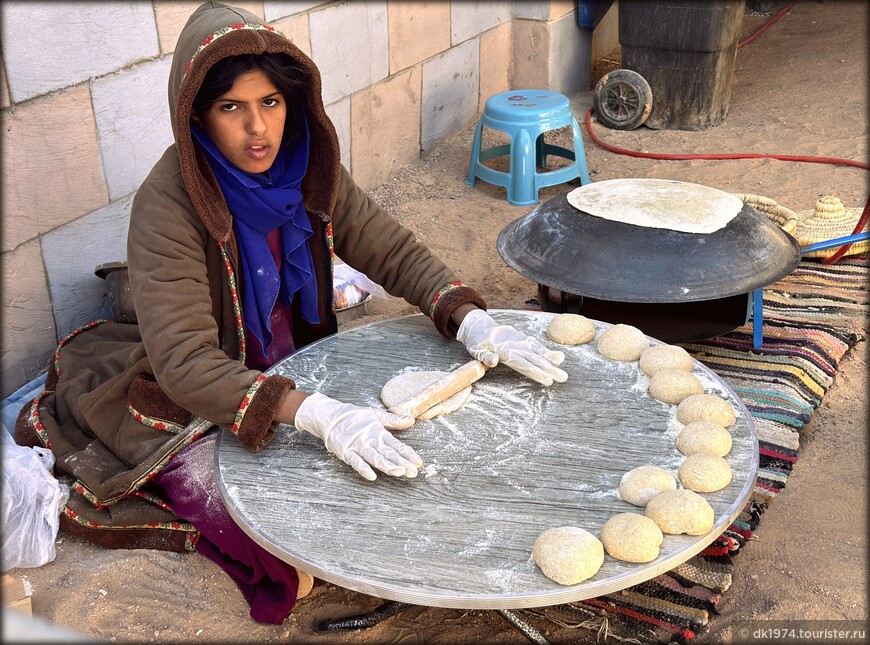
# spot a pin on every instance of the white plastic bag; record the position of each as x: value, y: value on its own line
x: 31, y: 504
x: 351, y: 287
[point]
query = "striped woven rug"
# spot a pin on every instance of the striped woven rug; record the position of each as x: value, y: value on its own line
x: 811, y: 319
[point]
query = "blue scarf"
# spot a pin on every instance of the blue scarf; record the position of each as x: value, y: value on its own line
x: 260, y: 203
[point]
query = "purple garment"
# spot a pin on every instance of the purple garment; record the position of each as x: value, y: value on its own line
x: 267, y: 583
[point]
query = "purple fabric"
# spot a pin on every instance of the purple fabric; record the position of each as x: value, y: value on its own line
x: 267, y: 583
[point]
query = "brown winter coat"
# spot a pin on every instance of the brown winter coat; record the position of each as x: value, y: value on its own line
x: 120, y: 397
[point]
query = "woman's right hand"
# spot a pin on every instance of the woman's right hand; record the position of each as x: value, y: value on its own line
x: 358, y: 436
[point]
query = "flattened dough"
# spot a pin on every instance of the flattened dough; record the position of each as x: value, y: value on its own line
x: 658, y: 203
x: 570, y: 329
x: 403, y: 386
x: 568, y: 554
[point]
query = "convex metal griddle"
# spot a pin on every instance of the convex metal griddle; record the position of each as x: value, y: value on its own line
x: 674, y: 286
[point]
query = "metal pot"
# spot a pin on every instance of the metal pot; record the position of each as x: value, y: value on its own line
x: 675, y: 286
x: 118, y: 298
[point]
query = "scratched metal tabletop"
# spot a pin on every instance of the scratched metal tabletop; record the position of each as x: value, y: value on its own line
x: 517, y: 459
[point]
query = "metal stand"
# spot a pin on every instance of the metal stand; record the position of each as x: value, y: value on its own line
x: 362, y: 621
x: 524, y: 627
x: 391, y: 608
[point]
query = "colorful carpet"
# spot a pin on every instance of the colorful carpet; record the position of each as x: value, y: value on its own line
x: 811, y: 319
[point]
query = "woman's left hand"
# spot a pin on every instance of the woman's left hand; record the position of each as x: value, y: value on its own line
x: 491, y: 343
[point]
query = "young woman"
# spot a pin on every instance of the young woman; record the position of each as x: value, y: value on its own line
x: 230, y: 254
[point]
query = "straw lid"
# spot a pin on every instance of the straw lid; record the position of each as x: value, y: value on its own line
x: 829, y: 220
x: 783, y: 217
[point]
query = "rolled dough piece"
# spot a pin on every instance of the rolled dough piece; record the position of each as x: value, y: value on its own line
x: 705, y: 407
x: 704, y: 473
x: 639, y: 485
x: 658, y: 203
x: 403, y: 386
x: 681, y: 511
x: 568, y: 554
x: 665, y: 357
x: 704, y: 437
x: 672, y: 386
x: 571, y: 329
x: 622, y: 343
x: 632, y: 538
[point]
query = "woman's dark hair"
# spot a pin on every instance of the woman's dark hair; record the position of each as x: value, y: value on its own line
x: 291, y: 79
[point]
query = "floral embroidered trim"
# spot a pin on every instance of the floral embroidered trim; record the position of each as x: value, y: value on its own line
x: 151, y: 422
x: 151, y: 473
x: 441, y: 292
x: 246, y: 402
x: 33, y: 417
x: 172, y: 526
x: 330, y: 245
x: 191, y: 540
x: 237, y: 307
x: 223, y: 31
x: 148, y: 497
x: 69, y: 337
x: 148, y: 476
x: 85, y: 492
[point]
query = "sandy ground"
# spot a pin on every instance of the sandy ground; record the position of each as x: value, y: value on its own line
x: 800, y: 89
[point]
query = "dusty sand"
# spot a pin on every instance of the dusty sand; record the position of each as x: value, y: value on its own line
x: 801, y: 89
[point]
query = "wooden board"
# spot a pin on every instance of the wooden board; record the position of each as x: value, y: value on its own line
x: 517, y: 459
x: 16, y: 594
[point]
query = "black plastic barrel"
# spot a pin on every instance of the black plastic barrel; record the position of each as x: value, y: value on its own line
x: 685, y: 49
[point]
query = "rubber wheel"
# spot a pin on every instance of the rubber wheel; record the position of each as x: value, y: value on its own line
x: 622, y: 99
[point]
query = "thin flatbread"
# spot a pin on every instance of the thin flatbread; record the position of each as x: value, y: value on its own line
x: 403, y: 386
x: 658, y: 203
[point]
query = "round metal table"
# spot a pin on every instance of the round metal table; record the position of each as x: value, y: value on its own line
x: 517, y: 459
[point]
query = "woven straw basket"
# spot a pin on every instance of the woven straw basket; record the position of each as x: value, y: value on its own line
x: 779, y: 215
x: 829, y: 220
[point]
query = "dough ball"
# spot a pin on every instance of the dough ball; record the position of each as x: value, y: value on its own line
x: 622, y: 343
x: 568, y: 554
x: 639, y: 485
x: 571, y: 329
x: 665, y: 357
x: 704, y: 473
x: 681, y: 511
x: 704, y: 437
x: 403, y: 386
x: 705, y: 407
x: 632, y: 538
x: 672, y: 386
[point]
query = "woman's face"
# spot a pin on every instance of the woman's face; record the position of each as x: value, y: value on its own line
x: 247, y: 123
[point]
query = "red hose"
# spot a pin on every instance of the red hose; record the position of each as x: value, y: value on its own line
x: 740, y: 155
x: 860, y: 225
x: 768, y: 24
x: 830, y: 160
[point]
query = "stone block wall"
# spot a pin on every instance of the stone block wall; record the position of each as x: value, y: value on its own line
x: 85, y: 116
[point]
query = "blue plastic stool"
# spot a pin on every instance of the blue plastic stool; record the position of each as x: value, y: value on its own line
x: 525, y: 115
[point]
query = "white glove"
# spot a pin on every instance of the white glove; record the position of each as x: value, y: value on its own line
x: 358, y: 437
x: 490, y: 343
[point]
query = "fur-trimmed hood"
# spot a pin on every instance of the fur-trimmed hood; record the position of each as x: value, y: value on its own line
x: 213, y: 32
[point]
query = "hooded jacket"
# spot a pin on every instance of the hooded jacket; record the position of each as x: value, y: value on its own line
x: 121, y: 399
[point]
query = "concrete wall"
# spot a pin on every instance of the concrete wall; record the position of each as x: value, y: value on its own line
x: 85, y: 116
